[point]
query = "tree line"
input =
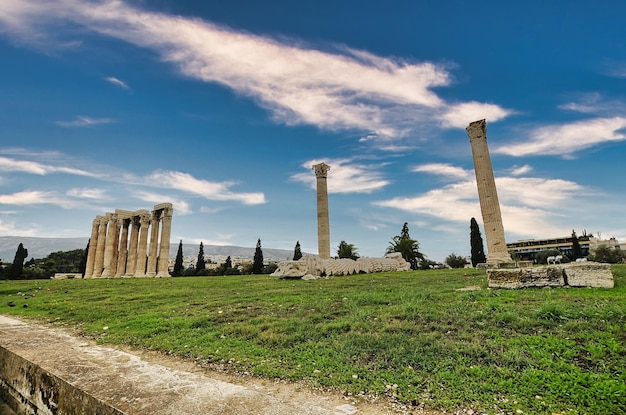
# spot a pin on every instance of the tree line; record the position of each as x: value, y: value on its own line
x: 74, y: 261
x: 57, y: 262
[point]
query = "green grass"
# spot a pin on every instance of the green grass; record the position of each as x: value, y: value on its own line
x: 408, y: 336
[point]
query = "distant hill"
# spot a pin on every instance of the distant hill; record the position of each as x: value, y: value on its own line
x: 42, y: 247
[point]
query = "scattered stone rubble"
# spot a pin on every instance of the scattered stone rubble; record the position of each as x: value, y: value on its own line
x: 313, y: 267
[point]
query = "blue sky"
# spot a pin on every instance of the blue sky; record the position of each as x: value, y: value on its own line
x: 222, y: 107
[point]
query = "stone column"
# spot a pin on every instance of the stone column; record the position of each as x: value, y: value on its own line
x: 123, y: 250
x: 323, y: 223
x: 154, y: 242
x: 93, y: 244
x: 131, y: 262
x: 487, y: 194
x: 110, y: 261
x: 102, y: 236
x: 140, y: 270
x: 164, y: 246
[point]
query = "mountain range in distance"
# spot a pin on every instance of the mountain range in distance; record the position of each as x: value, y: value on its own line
x: 42, y: 247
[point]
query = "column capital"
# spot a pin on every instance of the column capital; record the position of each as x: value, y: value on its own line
x: 321, y: 169
x: 477, y: 129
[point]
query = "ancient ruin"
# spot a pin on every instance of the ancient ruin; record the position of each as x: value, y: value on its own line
x: 502, y: 271
x: 487, y: 194
x: 119, y: 246
x: 313, y: 267
x: 575, y: 274
x: 323, y: 223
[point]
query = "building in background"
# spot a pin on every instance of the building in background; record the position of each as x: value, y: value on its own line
x: 528, y: 249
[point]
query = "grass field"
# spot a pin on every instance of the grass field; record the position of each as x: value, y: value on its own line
x: 410, y: 336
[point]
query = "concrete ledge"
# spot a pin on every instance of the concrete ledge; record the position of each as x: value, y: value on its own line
x: 588, y: 274
x: 45, y: 371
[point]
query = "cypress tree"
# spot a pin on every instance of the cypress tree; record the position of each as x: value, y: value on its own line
x: 18, y: 263
x: 257, y: 265
x: 297, y: 252
x: 476, y: 244
x: 178, y: 264
x: 577, y: 251
x: 200, y: 263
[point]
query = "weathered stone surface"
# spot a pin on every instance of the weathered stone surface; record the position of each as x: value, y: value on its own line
x: 112, y: 254
x: 323, y: 223
x: 48, y: 372
x: 316, y: 266
x: 487, y: 194
x: 525, y: 277
x: 588, y: 274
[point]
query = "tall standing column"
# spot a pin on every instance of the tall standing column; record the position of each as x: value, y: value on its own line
x: 164, y: 246
x: 323, y: 223
x: 123, y: 250
x: 487, y: 194
x: 140, y: 270
x: 154, y: 242
x: 131, y: 262
x: 112, y: 240
x: 98, y: 265
x: 93, y: 244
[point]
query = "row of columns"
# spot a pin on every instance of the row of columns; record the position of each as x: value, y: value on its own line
x: 119, y: 243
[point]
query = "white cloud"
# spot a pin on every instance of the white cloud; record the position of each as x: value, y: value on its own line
x: 82, y: 121
x: 344, y: 176
x: 342, y: 89
x: 181, y: 207
x: 33, y: 167
x: 461, y: 115
x: 36, y: 197
x: 521, y: 170
x: 209, y: 190
x: 444, y: 169
x: 595, y: 103
x: 117, y: 82
x: 529, y: 206
x: 10, y: 228
x: 566, y: 139
x: 86, y: 193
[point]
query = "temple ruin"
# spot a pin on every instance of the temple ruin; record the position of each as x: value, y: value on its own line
x: 119, y: 246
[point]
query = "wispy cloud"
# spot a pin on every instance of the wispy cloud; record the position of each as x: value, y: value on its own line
x: 345, y: 176
x: 337, y: 88
x: 181, y: 207
x: 595, y: 103
x: 117, y: 82
x: 37, y: 197
x: 520, y: 170
x: 34, y: 167
x: 443, y: 169
x: 460, y: 115
x: 82, y: 121
x: 11, y: 228
x: 87, y: 193
x: 567, y: 139
x: 207, y: 189
x: 529, y: 205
